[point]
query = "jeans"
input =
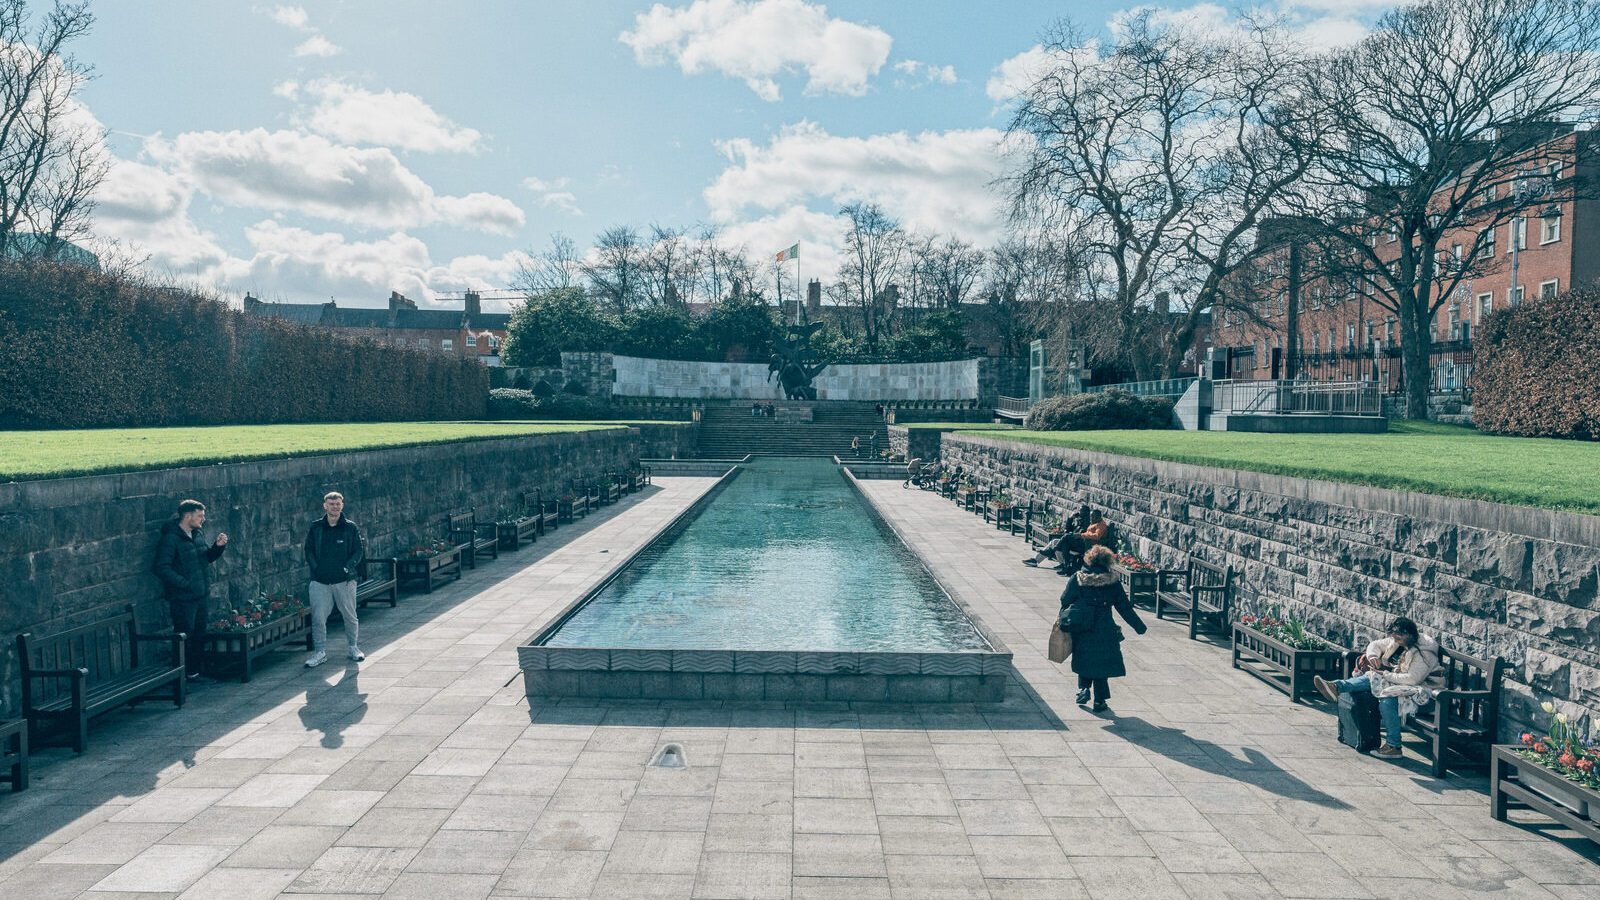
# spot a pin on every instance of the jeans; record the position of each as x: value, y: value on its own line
x: 1101, y: 686
x: 1388, y: 707
x: 324, y: 597
x: 190, y: 618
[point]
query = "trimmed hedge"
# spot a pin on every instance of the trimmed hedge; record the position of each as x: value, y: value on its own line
x: 87, y: 349
x: 515, y: 403
x: 1100, y: 411
x: 1536, y: 369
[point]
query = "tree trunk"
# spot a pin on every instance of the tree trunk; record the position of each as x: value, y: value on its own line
x: 1416, y: 346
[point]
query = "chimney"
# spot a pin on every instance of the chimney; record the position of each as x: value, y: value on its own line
x: 398, y: 300
x: 814, y: 298
x: 474, y: 304
x: 1163, y: 303
x: 251, y: 304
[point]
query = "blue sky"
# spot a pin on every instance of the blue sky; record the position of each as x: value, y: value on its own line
x: 351, y: 147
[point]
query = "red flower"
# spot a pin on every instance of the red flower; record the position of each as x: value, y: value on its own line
x: 1586, y: 766
x: 1541, y: 747
x: 1567, y: 759
x: 1527, y: 739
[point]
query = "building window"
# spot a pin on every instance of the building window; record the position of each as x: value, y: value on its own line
x: 1519, y: 234
x: 1549, y: 229
x: 494, y: 343
x: 1316, y: 343
x: 423, y: 342
x: 1261, y: 360
x: 1391, y: 236
x: 472, y: 339
x: 1514, y: 296
x: 1485, y: 306
x: 1333, y: 343
x: 447, y: 345
x: 1369, y: 333
x: 1486, y: 241
x: 1388, y: 330
x: 1547, y: 289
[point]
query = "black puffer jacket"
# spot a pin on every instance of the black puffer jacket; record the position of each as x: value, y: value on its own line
x: 183, y: 564
x: 1086, y: 607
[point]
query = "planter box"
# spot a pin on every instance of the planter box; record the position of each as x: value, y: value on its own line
x: 1517, y: 783
x: 427, y: 570
x: 239, y: 649
x: 1140, y: 585
x: 518, y: 531
x: 1282, y: 666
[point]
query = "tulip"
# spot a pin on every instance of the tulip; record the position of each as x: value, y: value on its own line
x: 1541, y: 747
x: 1586, y: 766
x: 1547, y: 706
x: 1527, y: 739
x: 1567, y: 759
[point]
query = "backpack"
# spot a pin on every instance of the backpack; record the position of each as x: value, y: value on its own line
x: 1360, y: 726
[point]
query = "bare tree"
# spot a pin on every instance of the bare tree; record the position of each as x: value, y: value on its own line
x: 616, y: 268
x: 1435, y: 129
x: 875, y: 250
x: 718, y: 266
x: 556, y: 267
x: 669, y: 267
x: 949, y: 271
x: 1161, y: 151
x: 52, y: 157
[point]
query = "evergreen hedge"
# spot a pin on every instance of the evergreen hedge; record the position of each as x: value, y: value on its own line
x: 1099, y: 411
x: 86, y: 349
x: 1536, y: 369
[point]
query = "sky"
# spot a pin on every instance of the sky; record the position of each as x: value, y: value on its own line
x: 346, y: 148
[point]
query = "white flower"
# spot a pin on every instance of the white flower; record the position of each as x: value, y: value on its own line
x: 1547, y: 706
x: 1561, y: 718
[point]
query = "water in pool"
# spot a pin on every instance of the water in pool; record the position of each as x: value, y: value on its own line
x: 786, y: 557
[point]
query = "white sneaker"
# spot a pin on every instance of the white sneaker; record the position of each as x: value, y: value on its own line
x: 356, y: 655
x: 316, y: 659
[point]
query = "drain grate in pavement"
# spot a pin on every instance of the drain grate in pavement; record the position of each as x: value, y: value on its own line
x: 670, y: 757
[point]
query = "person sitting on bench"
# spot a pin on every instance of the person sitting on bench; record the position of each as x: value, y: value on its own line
x: 1399, y: 671
x: 1071, y: 545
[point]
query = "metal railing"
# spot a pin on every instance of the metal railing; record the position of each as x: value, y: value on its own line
x: 1015, y: 407
x: 1166, y: 387
x: 1338, y: 398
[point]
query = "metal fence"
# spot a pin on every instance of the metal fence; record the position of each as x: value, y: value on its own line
x: 1337, y: 398
x: 1016, y: 407
x: 1166, y: 387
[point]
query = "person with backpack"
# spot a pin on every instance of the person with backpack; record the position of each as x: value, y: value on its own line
x: 1086, y: 606
x: 1400, y: 671
x: 182, y: 561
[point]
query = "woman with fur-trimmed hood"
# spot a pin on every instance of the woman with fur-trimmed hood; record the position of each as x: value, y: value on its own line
x: 1086, y: 607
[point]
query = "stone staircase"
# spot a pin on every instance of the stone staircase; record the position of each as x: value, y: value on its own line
x: 729, y: 432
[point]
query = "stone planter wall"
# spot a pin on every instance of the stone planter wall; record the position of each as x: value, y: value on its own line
x: 1489, y: 579
x: 73, y: 550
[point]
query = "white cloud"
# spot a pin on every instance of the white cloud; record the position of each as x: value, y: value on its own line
x: 933, y: 181
x: 308, y: 174
x: 1016, y: 75
x: 355, y: 115
x: 147, y: 209
x: 299, y: 263
x: 820, y: 235
x: 929, y: 72
x: 291, y: 17
x: 317, y: 45
x: 554, y: 194
x: 761, y: 40
x: 288, y: 90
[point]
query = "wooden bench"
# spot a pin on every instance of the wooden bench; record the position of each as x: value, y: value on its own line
x: 14, y: 753
x: 72, y: 676
x: 545, y: 512
x: 1202, y: 591
x: 474, y: 540
x: 377, y: 582
x: 1464, y: 720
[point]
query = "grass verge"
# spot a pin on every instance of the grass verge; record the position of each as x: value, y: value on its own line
x: 1434, y: 459
x: 31, y: 455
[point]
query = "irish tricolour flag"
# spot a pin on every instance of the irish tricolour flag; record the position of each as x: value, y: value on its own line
x: 791, y: 253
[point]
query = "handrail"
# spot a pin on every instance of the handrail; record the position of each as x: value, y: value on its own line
x: 1013, y: 406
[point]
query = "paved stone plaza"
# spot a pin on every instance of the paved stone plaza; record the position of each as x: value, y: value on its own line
x: 426, y: 775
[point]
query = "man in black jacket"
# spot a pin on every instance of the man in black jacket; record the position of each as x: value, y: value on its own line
x: 182, y: 561
x: 333, y: 551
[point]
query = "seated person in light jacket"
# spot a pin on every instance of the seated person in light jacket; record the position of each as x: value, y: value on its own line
x: 1401, y: 671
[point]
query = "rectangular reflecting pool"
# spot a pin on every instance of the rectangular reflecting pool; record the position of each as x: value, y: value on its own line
x: 781, y: 583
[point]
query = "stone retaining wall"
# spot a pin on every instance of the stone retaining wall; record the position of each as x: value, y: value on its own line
x: 679, y: 440
x: 73, y: 550
x: 916, y: 443
x: 1486, y: 578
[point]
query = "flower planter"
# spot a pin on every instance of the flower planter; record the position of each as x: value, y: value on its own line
x: 1516, y: 782
x: 1139, y: 583
x: 424, y: 571
x: 225, y: 650
x: 1283, y: 667
x: 518, y: 531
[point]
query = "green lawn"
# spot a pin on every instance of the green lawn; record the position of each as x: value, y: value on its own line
x: 1434, y: 459
x: 26, y: 455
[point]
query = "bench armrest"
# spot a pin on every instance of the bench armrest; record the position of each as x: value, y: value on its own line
x: 58, y: 673
x: 493, y: 529
x: 1456, y: 694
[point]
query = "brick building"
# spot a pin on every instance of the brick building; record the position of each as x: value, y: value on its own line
x: 1552, y: 244
x: 469, y: 330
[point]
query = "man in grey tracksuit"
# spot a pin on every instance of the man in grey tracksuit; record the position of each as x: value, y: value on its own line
x: 333, y: 551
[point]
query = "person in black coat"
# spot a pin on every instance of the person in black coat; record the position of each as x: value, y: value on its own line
x: 182, y: 561
x: 1086, y: 607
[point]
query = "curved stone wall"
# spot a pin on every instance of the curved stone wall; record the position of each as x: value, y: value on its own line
x: 639, y: 377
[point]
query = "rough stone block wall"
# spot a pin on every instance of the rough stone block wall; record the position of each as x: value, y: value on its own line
x: 915, y: 443
x: 1485, y: 578
x: 74, y: 550
x: 675, y: 441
